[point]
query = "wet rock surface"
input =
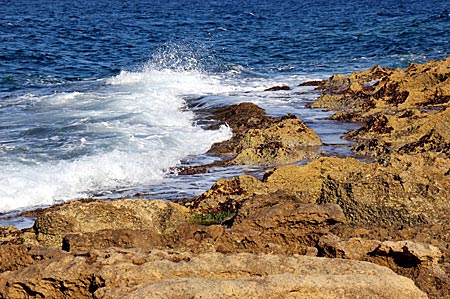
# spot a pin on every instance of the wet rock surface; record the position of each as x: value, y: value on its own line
x: 335, y: 227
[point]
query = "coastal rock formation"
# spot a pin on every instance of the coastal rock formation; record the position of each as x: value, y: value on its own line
x: 393, y: 212
x: 255, y: 223
x: 406, y: 253
x: 324, y: 208
x: 419, y: 261
x: 286, y: 212
x: 404, y: 110
x: 9, y: 234
x: 278, y: 88
x: 118, y: 273
x: 263, y: 140
x: 241, y: 118
x: 411, y: 190
x: 286, y: 141
x: 275, y: 223
x: 91, y: 216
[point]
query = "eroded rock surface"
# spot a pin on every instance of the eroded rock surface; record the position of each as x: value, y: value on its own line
x: 319, y: 209
x: 402, y: 193
x: 286, y: 141
x: 85, y: 217
x: 116, y: 273
x: 263, y: 140
x: 404, y: 110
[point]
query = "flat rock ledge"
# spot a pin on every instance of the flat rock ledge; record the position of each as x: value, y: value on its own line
x: 119, y: 273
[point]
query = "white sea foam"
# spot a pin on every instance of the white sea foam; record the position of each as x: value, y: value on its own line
x: 127, y: 133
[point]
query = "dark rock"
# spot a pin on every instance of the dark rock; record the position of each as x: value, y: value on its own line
x: 278, y: 88
x: 311, y: 83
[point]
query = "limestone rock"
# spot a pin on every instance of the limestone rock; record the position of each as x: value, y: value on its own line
x: 256, y: 225
x: 93, y: 216
x: 406, y: 110
x: 227, y: 194
x: 355, y: 248
x: 418, y: 261
x: 410, y: 252
x: 241, y: 118
x: 278, y: 88
x: 263, y: 140
x: 9, y: 234
x: 279, y: 210
x: 286, y: 141
x: 163, y: 274
x: 279, y: 222
x: 12, y: 235
x: 406, y: 253
x: 15, y: 257
x: 411, y: 190
x: 82, y: 242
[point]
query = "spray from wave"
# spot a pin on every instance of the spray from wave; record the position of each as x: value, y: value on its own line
x: 126, y: 134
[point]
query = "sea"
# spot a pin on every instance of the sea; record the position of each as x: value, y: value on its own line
x: 107, y: 99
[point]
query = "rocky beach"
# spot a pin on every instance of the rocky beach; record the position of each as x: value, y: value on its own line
x: 375, y: 224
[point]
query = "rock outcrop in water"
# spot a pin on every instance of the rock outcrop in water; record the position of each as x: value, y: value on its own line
x: 311, y: 231
x: 404, y: 110
x: 259, y: 139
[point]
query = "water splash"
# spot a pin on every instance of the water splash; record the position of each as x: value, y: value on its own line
x: 126, y: 134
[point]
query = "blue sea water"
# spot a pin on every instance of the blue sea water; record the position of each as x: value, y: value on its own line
x: 99, y: 98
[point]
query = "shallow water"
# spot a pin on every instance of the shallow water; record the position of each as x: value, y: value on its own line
x: 99, y: 98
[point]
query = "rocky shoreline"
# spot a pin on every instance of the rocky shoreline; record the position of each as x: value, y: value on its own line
x: 332, y: 228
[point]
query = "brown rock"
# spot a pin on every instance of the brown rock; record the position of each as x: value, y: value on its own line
x: 418, y: 261
x: 261, y: 139
x: 404, y: 110
x: 407, y: 254
x: 241, y: 118
x: 278, y: 223
x: 255, y: 225
x: 85, y: 217
x: 162, y: 274
x: 14, y: 257
x: 312, y: 83
x: 355, y: 248
x: 10, y: 234
x: 280, y: 211
x: 286, y: 141
x: 411, y: 190
x: 278, y: 88
x: 124, y: 238
x: 410, y: 253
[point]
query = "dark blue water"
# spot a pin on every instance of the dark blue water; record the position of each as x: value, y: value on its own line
x: 52, y: 42
x: 85, y: 81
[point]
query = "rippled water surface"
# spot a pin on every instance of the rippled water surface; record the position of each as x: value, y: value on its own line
x: 94, y: 94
